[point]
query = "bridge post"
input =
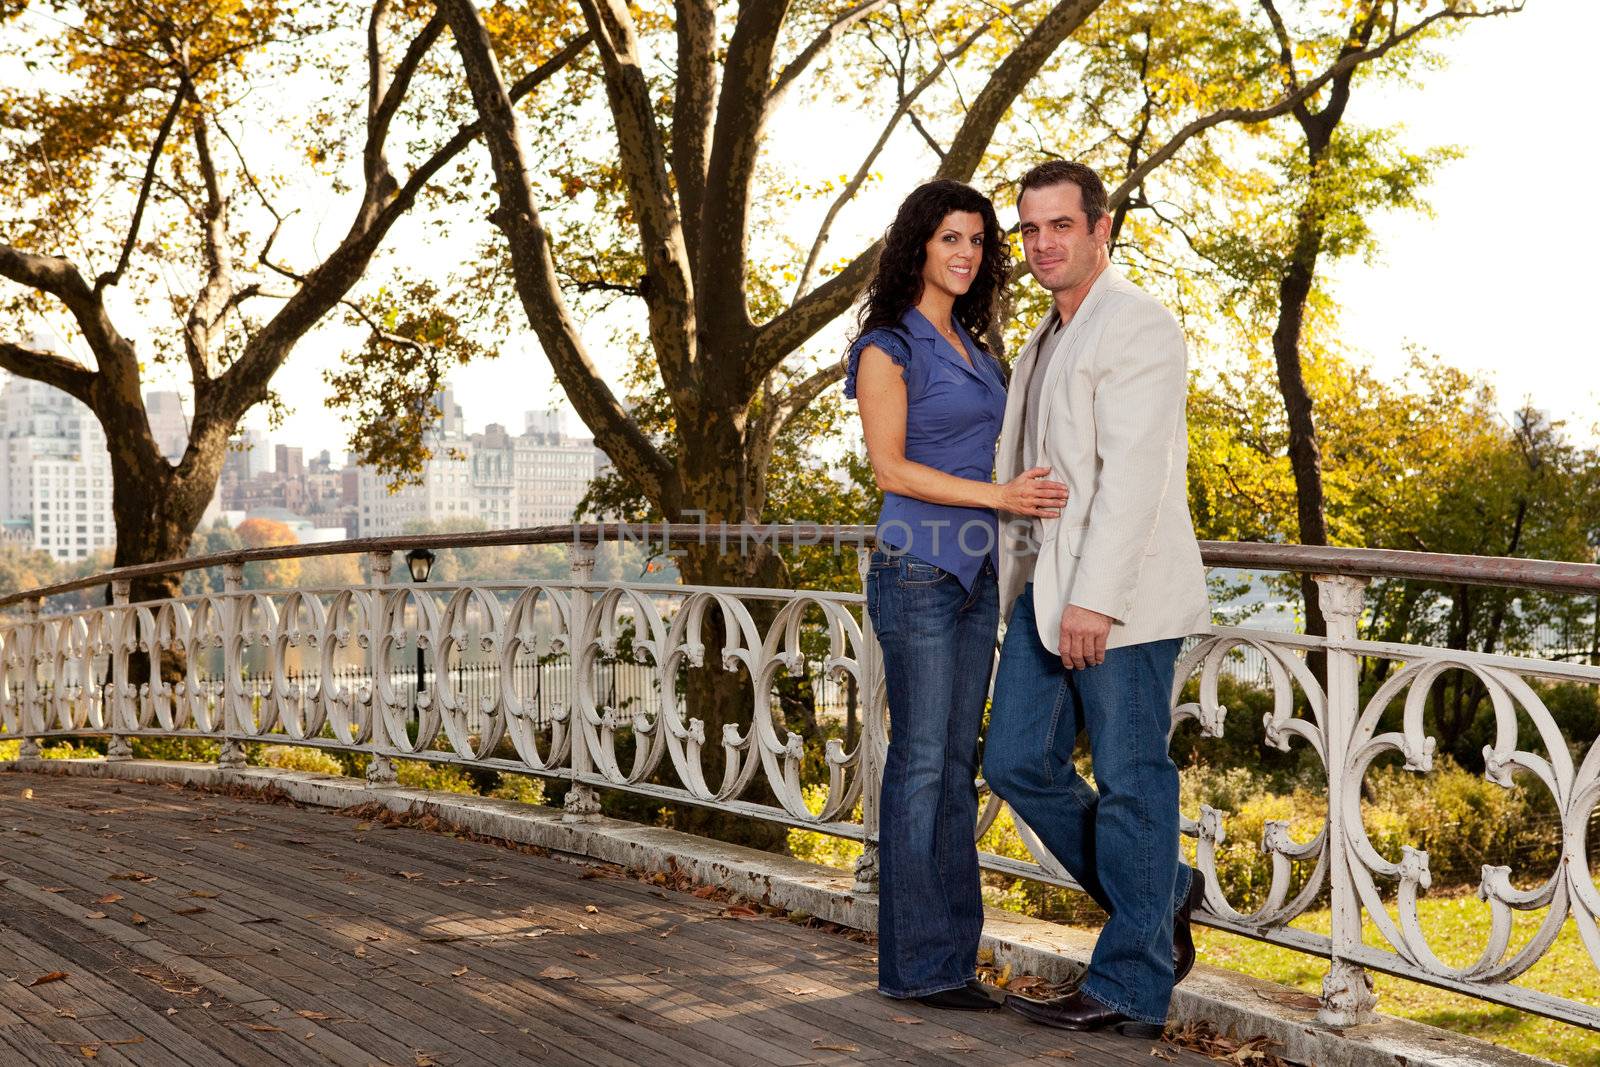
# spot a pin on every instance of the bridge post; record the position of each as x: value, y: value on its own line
x: 120, y: 749
x: 231, y: 756
x: 1347, y: 995
x: 32, y: 713
x: 873, y: 741
x: 582, y: 803
x: 380, y: 767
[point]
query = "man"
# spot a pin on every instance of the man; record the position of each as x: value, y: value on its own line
x: 1097, y: 602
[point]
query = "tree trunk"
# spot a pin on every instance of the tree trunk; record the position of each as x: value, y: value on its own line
x: 1305, y: 454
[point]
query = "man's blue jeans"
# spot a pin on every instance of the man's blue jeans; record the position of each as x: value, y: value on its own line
x: 1121, y: 844
x: 938, y: 652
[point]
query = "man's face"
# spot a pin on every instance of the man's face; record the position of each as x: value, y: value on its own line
x: 1062, y: 251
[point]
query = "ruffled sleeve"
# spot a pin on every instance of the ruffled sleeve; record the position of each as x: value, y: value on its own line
x: 893, y: 344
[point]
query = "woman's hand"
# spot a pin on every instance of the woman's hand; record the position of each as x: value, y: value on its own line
x: 1029, y: 494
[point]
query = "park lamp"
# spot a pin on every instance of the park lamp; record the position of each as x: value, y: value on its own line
x: 420, y: 562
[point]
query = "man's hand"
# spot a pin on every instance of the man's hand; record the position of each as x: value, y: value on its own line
x: 1083, y: 637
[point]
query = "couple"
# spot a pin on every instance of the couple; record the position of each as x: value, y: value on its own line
x: 1096, y: 566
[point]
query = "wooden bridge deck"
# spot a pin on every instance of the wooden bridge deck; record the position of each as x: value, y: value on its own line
x: 147, y: 924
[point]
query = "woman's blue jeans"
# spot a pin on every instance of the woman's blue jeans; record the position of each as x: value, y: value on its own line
x: 1120, y: 843
x: 938, y: 652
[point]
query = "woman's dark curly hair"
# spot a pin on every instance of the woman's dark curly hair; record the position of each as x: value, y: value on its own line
x: 897, y: 283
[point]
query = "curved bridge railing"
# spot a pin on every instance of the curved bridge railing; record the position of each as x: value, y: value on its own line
x: 332, y: 668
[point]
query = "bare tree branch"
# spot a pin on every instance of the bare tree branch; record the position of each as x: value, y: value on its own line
x: 68, y: 375
x: 205, y: 313
x: 386, y: 92
x: 1347, y: 63
x: 692, y: 103
x: 112, y: 277
x: 799, y: 396
x: 59, y: 278
x: 857, y: 180
x: 742, y: 111
x: 534, y: 271
x: 789, y: 330
x: 819, y: 44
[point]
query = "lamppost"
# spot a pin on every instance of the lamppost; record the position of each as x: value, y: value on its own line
x: 419, y: 561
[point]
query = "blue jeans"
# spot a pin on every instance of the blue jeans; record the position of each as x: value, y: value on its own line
x: 1121, y: 844
x: 938, y: 651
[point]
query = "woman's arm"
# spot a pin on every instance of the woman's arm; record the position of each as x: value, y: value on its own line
x: 881, y: 395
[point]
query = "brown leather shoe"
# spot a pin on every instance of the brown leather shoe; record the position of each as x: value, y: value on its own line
x: 1182, y: 931
x: 1079, y: 1011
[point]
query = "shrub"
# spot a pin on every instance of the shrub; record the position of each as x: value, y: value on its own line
x: 295, y: 758
x: 519, y: 787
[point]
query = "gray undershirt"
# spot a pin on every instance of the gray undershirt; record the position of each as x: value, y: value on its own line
x: 1030, y: 424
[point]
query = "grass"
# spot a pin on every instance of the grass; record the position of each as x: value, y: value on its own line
x: 1456, y: 927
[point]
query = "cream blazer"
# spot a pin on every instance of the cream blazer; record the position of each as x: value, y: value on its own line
x: 1112, y: 427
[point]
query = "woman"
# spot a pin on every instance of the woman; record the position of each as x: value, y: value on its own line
x: 932, y: 398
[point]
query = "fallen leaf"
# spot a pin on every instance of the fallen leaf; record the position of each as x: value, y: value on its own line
x: 189, y: 911
x: 556, y: 974
x: 409, y: 874
x: 109, y: 898
x: 540, y: 932
x: 801, y: 991
x: 821, y: 1044
x: 591, y: 909
x: 311, y: 1014
x: 55, y: 888
x: 425, y: 1060
x: 361, y: 952
x: 705, y: 891
x: 137, y: 919
x: 172, y: 1011
x: 585, y: 953
x: 63, y: 1013
x: 94, y: 915
x: 1060, y: 1054
x: 265, y: 1028
x: 1163, y: 1054
x: 27, y: 794
x: 739, y: 911
x: 363, y: 826
x: 458, y: 972
x: 906, y: 1020
x: 53, y: 976
x: 132, y: 876
x: 89, y: 1052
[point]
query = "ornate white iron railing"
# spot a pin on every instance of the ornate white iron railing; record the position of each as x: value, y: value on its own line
x: 335, y: 663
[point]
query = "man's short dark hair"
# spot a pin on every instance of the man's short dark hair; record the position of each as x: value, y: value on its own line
x: 1065, y: 171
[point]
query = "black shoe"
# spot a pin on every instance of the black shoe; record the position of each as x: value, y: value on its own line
x: 974, y: 996
x: 1079, y: 1011
x: 1182, y: 933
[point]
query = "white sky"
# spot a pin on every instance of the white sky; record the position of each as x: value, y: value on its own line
x: 1501, y: 282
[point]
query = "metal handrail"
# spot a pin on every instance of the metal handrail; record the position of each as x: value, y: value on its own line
x: 1546, y: 576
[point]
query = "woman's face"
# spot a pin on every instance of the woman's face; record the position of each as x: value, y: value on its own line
x: 954, y: 253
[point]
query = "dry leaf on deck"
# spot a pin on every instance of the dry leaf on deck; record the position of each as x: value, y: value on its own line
x: 265, y: 1028
x: 109, y: 898
x: 554, y: 973
x: 458, y: 973
x: 137, y: 919
x: 53, y: 976
x: 591, y: 909
x: 825, y: 1046
x: 408, y: 875
x: 585, y: 953
x: 1060, y: 1054
x: 801, y: 991
x: 906, y: 1020
x: 311, y: 1014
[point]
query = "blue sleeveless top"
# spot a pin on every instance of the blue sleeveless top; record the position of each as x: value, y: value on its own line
x: 953, y: 416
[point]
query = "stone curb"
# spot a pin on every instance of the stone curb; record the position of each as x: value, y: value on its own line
x: 1236, y: 1004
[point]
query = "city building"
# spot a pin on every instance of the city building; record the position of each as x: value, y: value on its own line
x: 55, y: 473
x: 490, y: 479
x: 169, y: 424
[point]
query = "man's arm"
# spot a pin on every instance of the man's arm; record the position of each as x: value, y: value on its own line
x: 1138, y: 413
